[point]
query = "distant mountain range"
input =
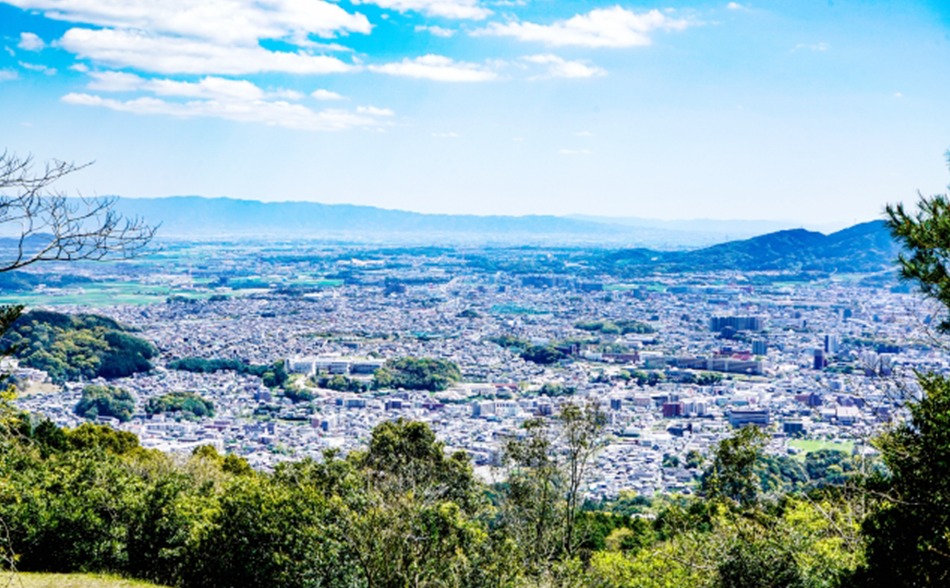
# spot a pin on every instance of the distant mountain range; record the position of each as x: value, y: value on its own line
x: 865, y: 247
x: 194, y: 217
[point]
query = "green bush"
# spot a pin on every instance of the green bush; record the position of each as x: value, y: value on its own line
x: 106, y: 401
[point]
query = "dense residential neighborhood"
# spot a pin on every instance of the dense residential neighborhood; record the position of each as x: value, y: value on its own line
x: 674, y: 361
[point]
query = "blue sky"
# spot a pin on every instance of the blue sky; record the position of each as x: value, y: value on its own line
x: 818, y: 112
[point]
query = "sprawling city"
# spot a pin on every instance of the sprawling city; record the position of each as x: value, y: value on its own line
x: 676, y: 362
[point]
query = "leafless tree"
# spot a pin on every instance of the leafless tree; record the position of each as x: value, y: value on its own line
x: 46, y: 225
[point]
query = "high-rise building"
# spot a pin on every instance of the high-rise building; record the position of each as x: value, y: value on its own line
x: 760, y: 347
x: 820, y: 361
x: 739, y: 323
x: 832, y: 343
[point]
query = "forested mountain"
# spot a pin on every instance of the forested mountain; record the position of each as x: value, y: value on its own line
x: 863, y: 247
x: 70, y: 347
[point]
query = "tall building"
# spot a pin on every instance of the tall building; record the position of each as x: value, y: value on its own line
x: 739, y: 323
x: 760, y: 347
x: 832, y: 344
x: 820, y: 361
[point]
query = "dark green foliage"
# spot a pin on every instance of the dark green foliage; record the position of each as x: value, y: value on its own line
x: 20, y: 281
x: 342, y: 383
x: 106, y: 401
x: 187, y: 404
x: 926, y: 240
x: 542, y: 354
x: 759, y: 564
x: 70, y: 347
x: 510, y: 342
x: 651, y: 378
x: 616, y: 327
x: 270, y: 532
x: 273, y: 375
x: 49, y: 438
x: 298, y: 394
x: 469, y: 313
x: 553, y: 390
x: 596, y: 529
x: 401, y: 513
x: 208, y: 366
x: 828, y: 467
x: 89, y: 437
x: 732, y: 474
x: 909, y: 535
x: 681, y: 515
x: 778, y: 474
x: 417, y: 374
x: 694, y: 459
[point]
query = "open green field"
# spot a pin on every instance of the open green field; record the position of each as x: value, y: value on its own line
x: 811, y: 446
x: 26, y: 580
x: 135, y: 293
x: 101, y: 294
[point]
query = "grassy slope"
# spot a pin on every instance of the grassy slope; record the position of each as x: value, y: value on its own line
x: 25, y: 580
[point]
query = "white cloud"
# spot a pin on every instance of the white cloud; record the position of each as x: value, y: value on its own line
x: 449, y: 135
x: 813, y: 47
x: 437, y: 31
x: 372, y: 110
x: 561, y: 68
x: 468, y: 9
x: 226, y: 22
x: 285, y: 94
x: 8, y: 74
x: 584, y: 134
x: 210, y: 88
x: 278, y: 113
x: 30, y: 42
x: 437, y: 67
x: 207, y: 37
x: 115, y: 81
x: 602, y: 27
x: 898, y: 95
x: 574, y: 152
x: 11, y: 52
x: 79, y: 67
x: 733, y: 6
x: 326, y: 95
x: 50, y: 71
x: 163, y: 54
x: 518, y: 139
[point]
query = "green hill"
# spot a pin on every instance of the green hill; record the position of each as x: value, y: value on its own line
x: 864, y: 247
x: 70, y: 347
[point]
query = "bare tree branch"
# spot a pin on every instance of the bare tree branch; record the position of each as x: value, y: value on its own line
x: 46, y: 225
